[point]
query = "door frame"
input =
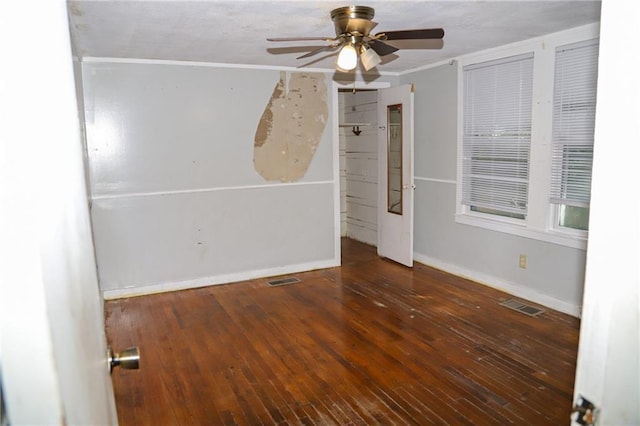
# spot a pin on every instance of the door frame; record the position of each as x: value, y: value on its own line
x: 335, y: 118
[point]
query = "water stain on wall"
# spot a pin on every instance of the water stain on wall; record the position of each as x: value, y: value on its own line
x: 291, y: 127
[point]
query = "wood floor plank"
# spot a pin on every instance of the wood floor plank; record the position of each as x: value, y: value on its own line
x: 371, y: 342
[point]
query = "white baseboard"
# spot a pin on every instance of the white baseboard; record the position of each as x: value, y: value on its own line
x: 481, y: 278
x: 217, y: 279
x: 499, y: 284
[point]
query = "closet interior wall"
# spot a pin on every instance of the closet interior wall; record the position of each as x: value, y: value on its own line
x: 359, y: 165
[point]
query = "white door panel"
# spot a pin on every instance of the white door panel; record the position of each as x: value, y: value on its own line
x: 395, y: 174
x: 54, y: 367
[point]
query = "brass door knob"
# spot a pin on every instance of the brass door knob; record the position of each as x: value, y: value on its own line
x: 128, y: 358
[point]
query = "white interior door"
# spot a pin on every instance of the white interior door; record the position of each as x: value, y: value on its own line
x: 53, y: 357
x: 395, y: 174
x: 608, y: 364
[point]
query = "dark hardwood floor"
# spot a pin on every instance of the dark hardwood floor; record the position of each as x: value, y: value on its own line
x: 370, y: 342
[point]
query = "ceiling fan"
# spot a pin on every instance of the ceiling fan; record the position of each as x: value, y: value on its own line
x: 353, y: 25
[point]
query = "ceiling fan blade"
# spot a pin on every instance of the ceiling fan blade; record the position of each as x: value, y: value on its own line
x: 301, y: 39
x: 290, y: 50
x: 425, y: 43
x: 414, y: 34
x: 320, y: 49
x: 381, y: 48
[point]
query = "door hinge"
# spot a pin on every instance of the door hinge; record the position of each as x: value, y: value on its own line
x: 584, y: 412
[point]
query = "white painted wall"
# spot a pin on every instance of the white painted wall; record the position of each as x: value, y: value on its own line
x: 554, y: 275
x: 608, y: 369
x: 53, y: 344
x: 359, y: 166
x: 176, y: 200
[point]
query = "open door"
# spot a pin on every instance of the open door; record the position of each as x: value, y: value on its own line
x: 395, y: 174
x: 608, y: 364
x: 54, y: 351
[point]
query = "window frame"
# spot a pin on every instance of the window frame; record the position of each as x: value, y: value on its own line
x: 539, y: 223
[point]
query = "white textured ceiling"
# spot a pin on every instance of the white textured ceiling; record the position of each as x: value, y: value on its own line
x: 235, y: 32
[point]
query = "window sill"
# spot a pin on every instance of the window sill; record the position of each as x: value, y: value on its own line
x: 521, y: 230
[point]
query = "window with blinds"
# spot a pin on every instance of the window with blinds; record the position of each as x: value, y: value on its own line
x: 497, y: 100
x: 574, y: 106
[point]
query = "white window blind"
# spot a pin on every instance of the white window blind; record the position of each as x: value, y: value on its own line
x: 574, y: 106
x: 497, y: 97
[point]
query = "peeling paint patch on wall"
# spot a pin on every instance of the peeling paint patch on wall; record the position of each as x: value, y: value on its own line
x: 291, y: 127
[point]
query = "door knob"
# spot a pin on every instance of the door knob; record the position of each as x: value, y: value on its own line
x: 128, y: 358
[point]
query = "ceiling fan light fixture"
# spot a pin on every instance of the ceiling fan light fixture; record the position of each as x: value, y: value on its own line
x: 369, y: 57
x: 348, y: 58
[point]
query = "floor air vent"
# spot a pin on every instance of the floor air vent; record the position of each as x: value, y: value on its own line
x: 283, y: 281
x: 522, y: 307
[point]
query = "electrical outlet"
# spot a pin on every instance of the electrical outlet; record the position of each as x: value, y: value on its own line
x: 523, y: 261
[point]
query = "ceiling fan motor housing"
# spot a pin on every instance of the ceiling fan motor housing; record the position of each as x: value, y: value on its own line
x: 342, y: 15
